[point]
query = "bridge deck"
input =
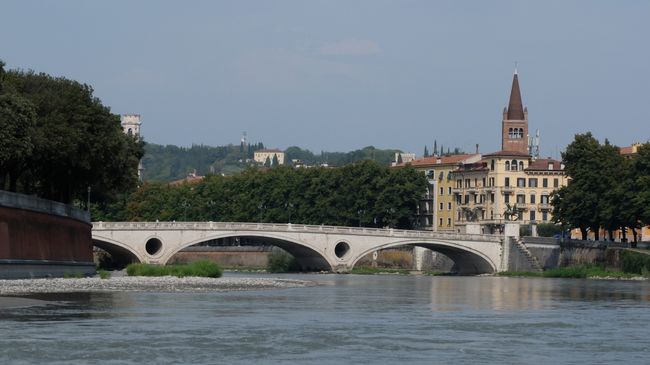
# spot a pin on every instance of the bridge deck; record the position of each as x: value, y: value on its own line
x: 275, y: 227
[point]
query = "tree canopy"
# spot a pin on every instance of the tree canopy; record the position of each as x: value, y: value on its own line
x: 605, y: 190
x: 58, y: 140
x: 361, y: 194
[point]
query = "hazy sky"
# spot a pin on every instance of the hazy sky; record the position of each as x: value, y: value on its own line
x: 340, y: 75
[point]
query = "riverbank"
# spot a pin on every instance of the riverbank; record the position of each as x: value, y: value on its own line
x: 139, y: 283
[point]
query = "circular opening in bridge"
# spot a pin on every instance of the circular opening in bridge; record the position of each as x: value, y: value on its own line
x: 341, y: 249
x: 153, y: 246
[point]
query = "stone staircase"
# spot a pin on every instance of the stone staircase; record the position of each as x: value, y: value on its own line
x: 532, y: 260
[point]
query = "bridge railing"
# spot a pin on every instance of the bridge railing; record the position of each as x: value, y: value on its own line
x: 282, y: 227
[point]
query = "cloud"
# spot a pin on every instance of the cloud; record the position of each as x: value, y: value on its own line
x: 350, y: 47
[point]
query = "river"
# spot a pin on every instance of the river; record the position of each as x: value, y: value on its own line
x: 381, y: 319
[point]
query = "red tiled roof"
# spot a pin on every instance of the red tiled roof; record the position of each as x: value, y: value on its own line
x: 507, y: 153
x: 542, y: 164
x: 435, y: 160
x: 270, y: 150
x: 627, y: 150
x: 471, y: 167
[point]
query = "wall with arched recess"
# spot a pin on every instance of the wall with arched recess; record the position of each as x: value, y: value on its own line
x: 40, y: 238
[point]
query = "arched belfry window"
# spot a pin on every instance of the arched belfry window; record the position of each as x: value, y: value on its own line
x: 521, y: 165
x: 511, y: 133
x: 513, y: 165
x: 507, y: 165
x: 130, y: 132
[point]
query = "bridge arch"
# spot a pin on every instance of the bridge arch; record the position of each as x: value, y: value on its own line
x: 308, y: 256
x: 468, y: 260
x: 121, y: 254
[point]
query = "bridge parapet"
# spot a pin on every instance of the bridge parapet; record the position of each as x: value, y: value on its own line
x: 275, y: 227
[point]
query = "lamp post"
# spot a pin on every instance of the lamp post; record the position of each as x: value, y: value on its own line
x: 88, y: 201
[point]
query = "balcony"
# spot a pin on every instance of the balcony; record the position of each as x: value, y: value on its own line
x: 507, y: 189
x: 545, y: 207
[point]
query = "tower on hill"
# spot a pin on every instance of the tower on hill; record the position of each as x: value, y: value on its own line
x: 514, y: 133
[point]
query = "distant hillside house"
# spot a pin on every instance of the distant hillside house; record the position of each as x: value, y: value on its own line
x: 261, y: 156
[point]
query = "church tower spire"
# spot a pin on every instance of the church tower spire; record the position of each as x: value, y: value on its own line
x: 514, y: 133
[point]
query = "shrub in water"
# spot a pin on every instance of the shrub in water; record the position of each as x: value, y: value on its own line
x: 198, y: 268
x: 282, y: 261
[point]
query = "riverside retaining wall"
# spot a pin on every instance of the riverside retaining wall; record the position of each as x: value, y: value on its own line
x: 41, y: 238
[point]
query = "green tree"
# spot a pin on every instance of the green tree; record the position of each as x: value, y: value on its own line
x: 275, y: 161
x: 17, y: 120
x: 77, y: 142
x: 577, y: 204
x: 267, y: 162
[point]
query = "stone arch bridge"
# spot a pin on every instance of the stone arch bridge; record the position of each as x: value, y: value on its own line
x: 325, y: 248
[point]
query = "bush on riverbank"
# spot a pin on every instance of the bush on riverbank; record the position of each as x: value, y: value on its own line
x: 198, y: 268
x: 282, y: 261
x: 580, y: 272
x: 635, y: 262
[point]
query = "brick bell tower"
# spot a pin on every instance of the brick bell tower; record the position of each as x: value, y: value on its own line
x: 514, y: 133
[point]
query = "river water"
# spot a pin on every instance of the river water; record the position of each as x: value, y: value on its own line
x: 381, y: 319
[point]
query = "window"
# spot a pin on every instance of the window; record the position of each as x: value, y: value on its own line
x: 483, y: 182
x: 507, y: 182
x: 507, y: 165
x: 550, y: 165
x: 556, y: 183
x: 475, y: 182
x: 520, y: 215
x: 513, y: 165
x: 532, y: 182
x: 491, y: 181
x: 532, y: 199
x: 449, y: 206
x: 544, y: 199
x: 521, y: 165
x: 458, y: 215
x: 492, y: 198
x: 532, y: 215
x: 544, y: 216
x: 521, y: 182
x: 449, y: 190
x: 545, y: 183
x: 467, y: 181
x: 492, y: 165
x: 440, y: 222
x: 442, y: 190
x: 467, y: 199
x: 448, y: 222
x: 506, y: 198
x: 441, y: 206
x: 459, y: 184
x: 521, y: 199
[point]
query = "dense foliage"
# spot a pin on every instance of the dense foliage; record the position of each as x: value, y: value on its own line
x: 360, y: 194
x: 57, y: 140
x: 206, y: 269
x: 606, y: 189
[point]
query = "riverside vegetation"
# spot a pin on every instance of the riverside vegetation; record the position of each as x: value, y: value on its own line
x: 634, y: 264
x: 198, y: 268
x: 363, y: 194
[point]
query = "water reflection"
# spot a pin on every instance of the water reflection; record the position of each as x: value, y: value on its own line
x: 503, y: 293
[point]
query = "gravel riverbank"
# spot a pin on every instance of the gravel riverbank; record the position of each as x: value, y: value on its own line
x: 140, y: 283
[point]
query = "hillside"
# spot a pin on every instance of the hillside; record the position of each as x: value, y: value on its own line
x: 169, y: 163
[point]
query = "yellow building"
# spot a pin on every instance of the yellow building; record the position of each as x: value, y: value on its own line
x: 505, y: 180
x: 436, y: 210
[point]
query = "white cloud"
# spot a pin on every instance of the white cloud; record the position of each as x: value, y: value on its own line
x: 350, y: 47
